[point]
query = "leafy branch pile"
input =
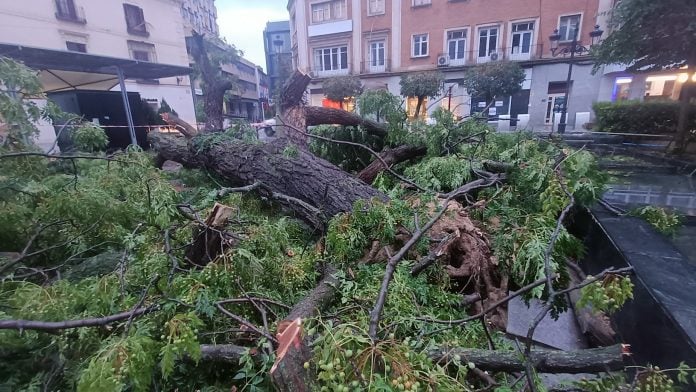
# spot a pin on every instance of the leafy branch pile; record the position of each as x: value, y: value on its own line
x: 100, y: 291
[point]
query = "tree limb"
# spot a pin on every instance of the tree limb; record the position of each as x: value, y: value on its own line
x: 69, y: 324
x: 316, y: 115
x: 594, y: 360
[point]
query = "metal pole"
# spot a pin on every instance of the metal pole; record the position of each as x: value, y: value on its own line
x: 564, y: 109
x: 126, y: 105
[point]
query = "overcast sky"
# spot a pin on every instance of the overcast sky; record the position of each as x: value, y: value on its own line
x: 242, y: 23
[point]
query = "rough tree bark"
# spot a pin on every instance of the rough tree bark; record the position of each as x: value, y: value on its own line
x: 295, y: 173
x: 593, y: 360
x: 300, y: 175
x: 215, y: 85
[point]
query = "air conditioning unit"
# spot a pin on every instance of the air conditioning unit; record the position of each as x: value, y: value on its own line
x: 494, y: 56
x: 443, y: 60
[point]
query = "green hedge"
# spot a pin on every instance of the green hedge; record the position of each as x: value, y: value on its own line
x: 656, y: 117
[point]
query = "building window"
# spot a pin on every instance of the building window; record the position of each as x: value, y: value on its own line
x: 456, y: 46
x: 522, y: 36
x: 412, y: 103
x: 488, y: 42
x: 76, y: 46
x: 568, y: 27
x: 375, y: 7
x: 66, y: 10
x: 377, y: 56
x: 420, y: 45
x: 142, y: 51
x: 329, y: 10
x: 331, y: 60
x: 622, y: 89
x: 418, y: 3
x: 135, y: 20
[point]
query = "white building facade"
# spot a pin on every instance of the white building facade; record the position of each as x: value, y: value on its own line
x: 144, y: 30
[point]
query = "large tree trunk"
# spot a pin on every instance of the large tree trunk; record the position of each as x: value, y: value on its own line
x: 213, y: 105
x: 319, y: 115
x: 280, y: 169
x: 215, y: 84
x: 595, y: 360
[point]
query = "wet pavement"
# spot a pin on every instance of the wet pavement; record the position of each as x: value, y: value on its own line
x: 677, y: 192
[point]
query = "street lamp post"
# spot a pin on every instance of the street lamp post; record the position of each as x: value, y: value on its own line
x: 575, y: 47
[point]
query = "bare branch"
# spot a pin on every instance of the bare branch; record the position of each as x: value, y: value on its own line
x: 69, y: 324
x: 246, y: 323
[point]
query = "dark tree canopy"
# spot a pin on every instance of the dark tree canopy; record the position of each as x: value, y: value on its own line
x: 340, y: 87
x: 421, y: 85
x: 649, y: 35
x: 494, y: 79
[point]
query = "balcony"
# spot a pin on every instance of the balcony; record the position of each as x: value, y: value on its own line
x: 73, y: 15
x: 369, y: 67
x: 516, y: 53
x: 322, y: 73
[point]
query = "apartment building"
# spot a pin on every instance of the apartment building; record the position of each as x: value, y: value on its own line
x: 200, y: 16
x: 148, y: 31
x: 380, y: 40
x: 247, y: 100
x: 278, y: 50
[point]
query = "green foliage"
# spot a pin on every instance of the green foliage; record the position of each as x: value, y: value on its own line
x: 108, y: 237
x: 642, y: 45
x: 662, y: 220
x: 338, y: 88
x: 494, y: 79
x: 646, y: 379
x: 90, y: 138
x: 291, y: 151
x: 18, y: 113
x: 254, y: 374
x: 349, y: 235
x: 442, y: 174
x: 651, y: 117
x: 381, y: 105
x: 608, y: 295
x: 445, y: 137
x: 347, y: 158
x: 522, y: 215
x: 421, y: 84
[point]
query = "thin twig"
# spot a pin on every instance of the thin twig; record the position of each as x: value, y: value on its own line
x: 140, y: 303
x: 246, y: 323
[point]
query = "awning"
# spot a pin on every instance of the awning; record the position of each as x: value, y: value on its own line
x: 61, y: 70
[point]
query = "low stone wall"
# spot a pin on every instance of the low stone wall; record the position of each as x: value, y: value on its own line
x: 660, y: 322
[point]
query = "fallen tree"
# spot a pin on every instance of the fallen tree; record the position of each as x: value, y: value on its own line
x: 235, y: 269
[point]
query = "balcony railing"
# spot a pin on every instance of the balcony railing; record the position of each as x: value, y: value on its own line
x: 517, y: 53
x: 370, y: 67
x: 74, y: 15
x: 322, y: 73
